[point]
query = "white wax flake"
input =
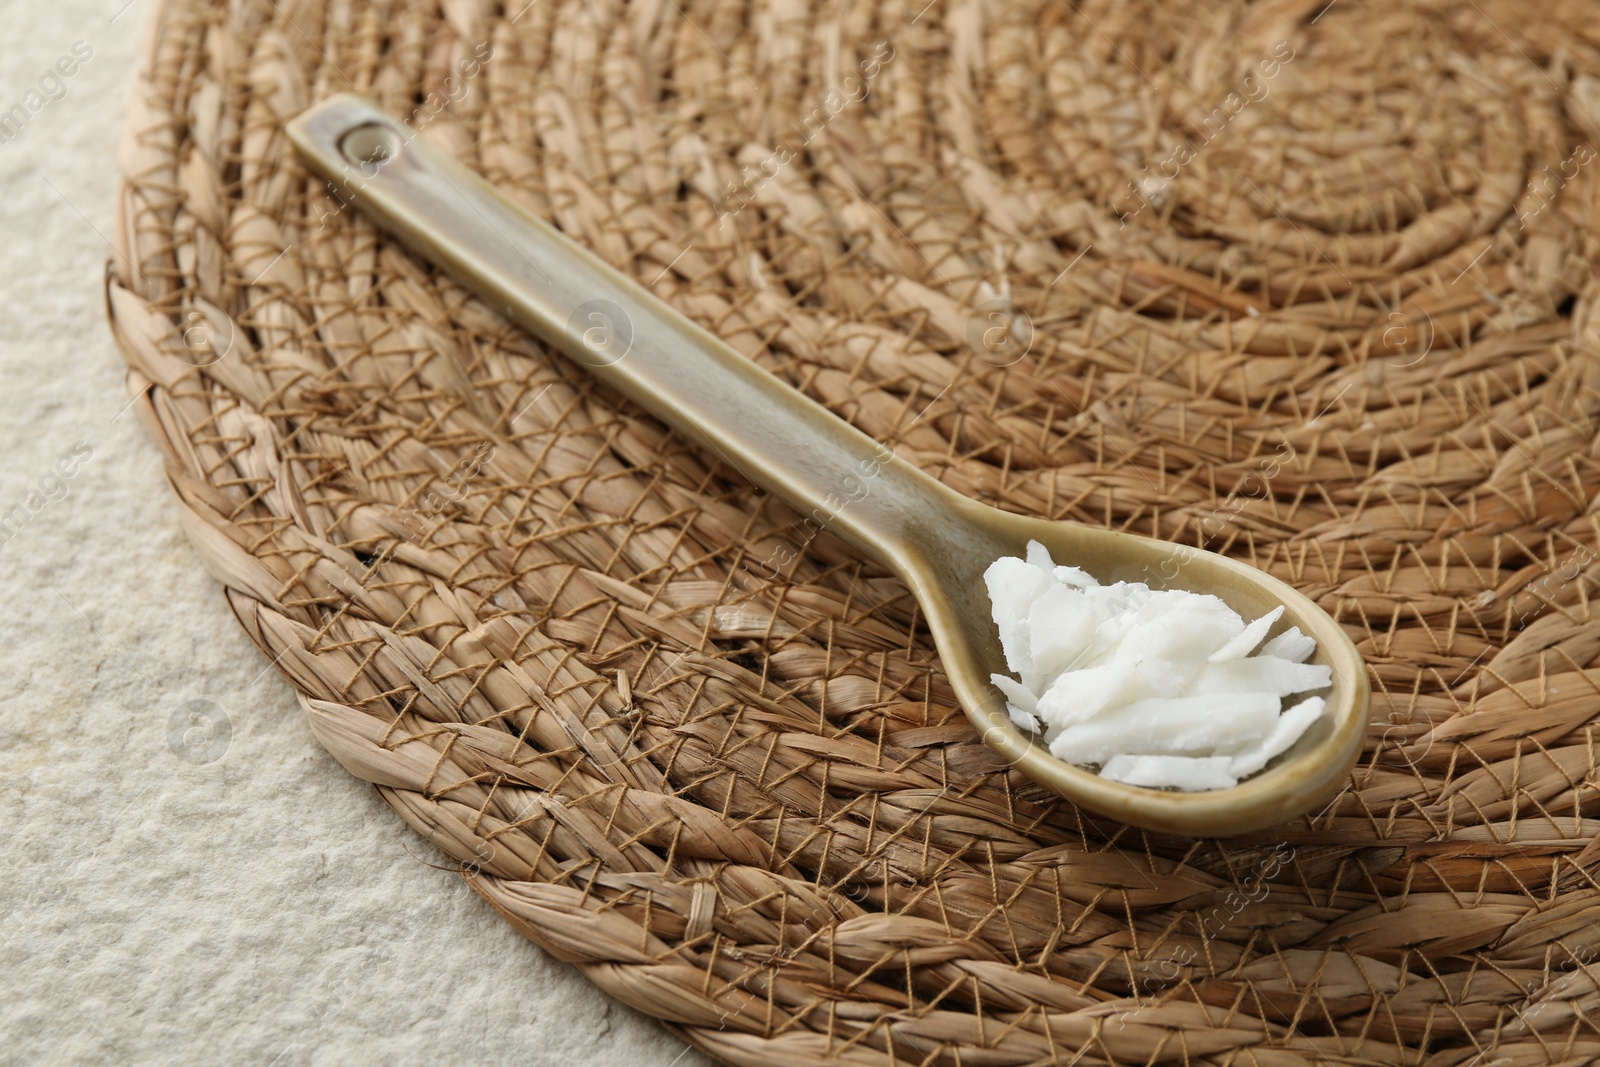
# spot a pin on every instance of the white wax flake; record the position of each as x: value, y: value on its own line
x: 1022, y: 719
x: 1185, y: 726
x: 1260, y: 674
x: 1060, y: 623
x: 1251, y: 636
x: 1016, y: 693
x: 1158, y: 688
x: 1083, y: 694
x: 1285, y: 732
x: 1188, y: 773
x: 1013, y: 587
x: 1291, y: 645
x: 1074, y: 577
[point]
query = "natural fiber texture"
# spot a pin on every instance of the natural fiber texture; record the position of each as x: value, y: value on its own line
x: 713, y: 761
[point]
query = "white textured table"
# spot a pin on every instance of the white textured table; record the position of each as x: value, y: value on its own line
x: 168, y: 896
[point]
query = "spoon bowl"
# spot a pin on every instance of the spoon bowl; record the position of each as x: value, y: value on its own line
x: 946, y: 574
x: 937, y: 541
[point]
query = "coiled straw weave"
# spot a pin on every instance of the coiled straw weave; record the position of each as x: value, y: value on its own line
x: 1307, y: 282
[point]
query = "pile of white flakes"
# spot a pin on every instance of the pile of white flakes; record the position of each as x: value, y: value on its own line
x: 1156, y: 687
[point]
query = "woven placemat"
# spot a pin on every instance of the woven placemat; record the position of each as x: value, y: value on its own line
x: 1309, y: 283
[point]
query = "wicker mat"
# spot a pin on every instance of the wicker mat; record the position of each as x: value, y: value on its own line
x: 1308, y: 283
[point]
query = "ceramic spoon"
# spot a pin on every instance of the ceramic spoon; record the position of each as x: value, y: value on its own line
x: 937, y: 541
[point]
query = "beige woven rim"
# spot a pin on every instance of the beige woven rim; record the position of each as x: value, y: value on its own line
x: 1307, y: 282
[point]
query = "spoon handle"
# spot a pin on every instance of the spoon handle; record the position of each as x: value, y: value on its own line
x: 836, y: 476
